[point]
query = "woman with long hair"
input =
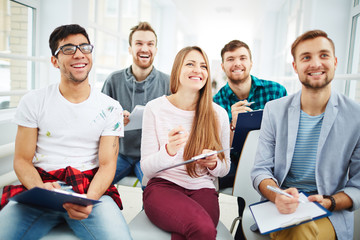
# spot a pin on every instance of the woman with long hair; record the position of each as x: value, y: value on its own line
x: 183, y: 200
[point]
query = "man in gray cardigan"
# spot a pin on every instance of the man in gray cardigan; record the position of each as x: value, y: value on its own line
x: 136, y: 85
x: 310, y: 142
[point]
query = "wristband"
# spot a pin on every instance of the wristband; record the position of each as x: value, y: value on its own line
x: 333, y: 203
x: 232, y: 128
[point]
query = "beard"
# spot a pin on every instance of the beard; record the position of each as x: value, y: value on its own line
x: 78, y: 80
x: 318, y: 84
x: 239, y: 79
x: 141, y: 64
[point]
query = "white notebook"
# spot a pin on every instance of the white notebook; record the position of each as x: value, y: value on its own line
x: 135, y: 118
x: 269, y: 219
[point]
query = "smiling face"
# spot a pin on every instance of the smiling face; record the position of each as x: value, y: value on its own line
x: 194, y: 71
x: 143, y: 48
x: 237, y: 65
x: 75, y: 67
x: 315, y: 63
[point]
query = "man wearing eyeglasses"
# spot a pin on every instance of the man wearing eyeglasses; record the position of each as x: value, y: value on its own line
x: 136, y: 85
x: 67, y: 138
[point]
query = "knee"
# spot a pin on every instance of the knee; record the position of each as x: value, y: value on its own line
x: 202, y: 230
x: 304, y: 231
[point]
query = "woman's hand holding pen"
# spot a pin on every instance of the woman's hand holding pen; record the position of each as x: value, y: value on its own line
x: 209, y: 162
x: 177, y: 139
x: 239, y: 107
x: 126, y: 117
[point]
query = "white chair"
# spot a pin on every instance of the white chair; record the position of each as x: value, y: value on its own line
x: 142, y: 228
x: 243, y: 186
x: 357, y: 225
x: 62, y: 232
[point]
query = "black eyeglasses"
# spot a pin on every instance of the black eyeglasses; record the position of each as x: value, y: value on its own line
x: 70, y: 49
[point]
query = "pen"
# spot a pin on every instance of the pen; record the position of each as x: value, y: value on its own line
x: 278, y: 190
x: 248, y: 103
x: 179, y: 132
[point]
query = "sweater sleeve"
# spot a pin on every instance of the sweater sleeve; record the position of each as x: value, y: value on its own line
x: 154, y: 156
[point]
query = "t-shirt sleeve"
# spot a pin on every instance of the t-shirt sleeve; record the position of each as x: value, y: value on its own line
x: 27, y: 111
x: 115, y: 122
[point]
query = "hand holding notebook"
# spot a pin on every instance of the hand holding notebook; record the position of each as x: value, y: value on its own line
x: 52, y: 199
x: 135, y: 118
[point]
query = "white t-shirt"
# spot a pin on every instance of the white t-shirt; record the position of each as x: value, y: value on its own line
x: 160, y: 116
x: 68, y: 133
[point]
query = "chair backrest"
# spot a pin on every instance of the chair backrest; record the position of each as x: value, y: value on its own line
x: 243, y: 186
x: 356, y: 225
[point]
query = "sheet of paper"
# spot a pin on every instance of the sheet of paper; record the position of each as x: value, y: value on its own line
x: 269, y: 219
x: 135, y: 118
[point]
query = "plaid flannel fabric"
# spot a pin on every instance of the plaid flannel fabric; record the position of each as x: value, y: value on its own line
x: 261, y: 92
x: 80, y: 182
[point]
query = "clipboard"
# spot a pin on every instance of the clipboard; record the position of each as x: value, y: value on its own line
x: 135, y: 118
x: 269, y: 219
x: 193, y: 159
x: 246, y: 122
x: 51, y: 199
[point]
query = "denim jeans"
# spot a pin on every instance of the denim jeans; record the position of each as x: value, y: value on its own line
x: 124, y: 166
x: 20, y: 221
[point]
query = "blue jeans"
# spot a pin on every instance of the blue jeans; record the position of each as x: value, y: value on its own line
x: 124, y: 166
x: 20, y: 221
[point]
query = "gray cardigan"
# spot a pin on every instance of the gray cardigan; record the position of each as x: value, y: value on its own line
x: 123, y: 87
x: 338, y: 154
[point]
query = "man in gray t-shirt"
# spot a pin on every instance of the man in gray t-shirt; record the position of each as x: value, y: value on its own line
x: 136, y: 85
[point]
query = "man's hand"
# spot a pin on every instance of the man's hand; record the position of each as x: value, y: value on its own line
x: 51, y: 185
x: 239, y: 107
x: 326, y: 203
x: 286, y: 205
x: 77, y: 212
x: 209, y: 162
x: 126, y: 115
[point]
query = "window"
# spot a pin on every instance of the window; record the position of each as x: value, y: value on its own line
x: 110, y: 23
x: 17, y: 65
x: 353, y: 86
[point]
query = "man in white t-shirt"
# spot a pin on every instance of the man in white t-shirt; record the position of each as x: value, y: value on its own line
x: 68, y: 134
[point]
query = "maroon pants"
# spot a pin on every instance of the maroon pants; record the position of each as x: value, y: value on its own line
x: 187, y: 214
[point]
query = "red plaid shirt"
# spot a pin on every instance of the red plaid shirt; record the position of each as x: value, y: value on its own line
x: 80, y: 182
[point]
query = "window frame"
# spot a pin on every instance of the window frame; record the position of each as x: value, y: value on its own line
x: 33, y: 60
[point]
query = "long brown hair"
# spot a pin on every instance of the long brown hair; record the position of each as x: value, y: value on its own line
x: 205, y: 127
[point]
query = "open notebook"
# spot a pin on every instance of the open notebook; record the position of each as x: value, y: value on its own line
x: 270, y: 220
